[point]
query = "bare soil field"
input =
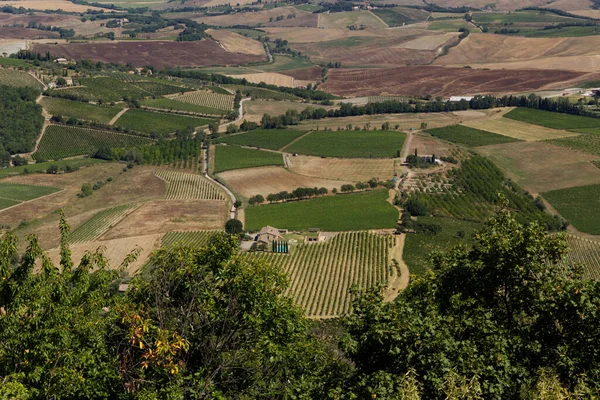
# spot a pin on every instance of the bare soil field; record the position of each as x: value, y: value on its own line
x: 570, y: 5
x: 270, y: 78
x: 344, y: 169
x: 255, y: 18
x: 347, y: 18
x: 513, y: 52
x: 404, y: 121
x: 164, y: 216
x: 313, y: 35
x: 160, y: 54
x: 427, y: 145
x: 10, y: 46
x: 25, y: 33
x: 430, y: 42
x: 419, y: 81
x: 236, y: 43
x: 500, y: 5
x: 541, y: 167
x: 114, y: 250
x: 306, y: 74
x: 266, y: 180
x: 518, y: 130
x: 53, y: 5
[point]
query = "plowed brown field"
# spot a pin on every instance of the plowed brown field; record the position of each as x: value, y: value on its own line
x: 25, y: 33
x: 419, y: 81
x: 160, y: 54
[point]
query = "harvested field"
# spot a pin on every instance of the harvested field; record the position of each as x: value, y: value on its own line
x: 266, y: 180
x: 25, y: 33
x: 169, y: 215
x: 236, y: 43
x: 53, y: 5
x: 115, y: 250
x: 343, y: 169
x: 432, y: 42
x: 315, y: 35
x: 255, y: 18
x: 307, y: 74
x: 500, y: 5
x: 425, y: 144
x: 347, y: 18
x: 160, y: 54
x: 513, y: 52
x: 269, y: 78
x: 10, y: 46
x: 518, y: 130
x: 437, y: 81
x: 540, y: 167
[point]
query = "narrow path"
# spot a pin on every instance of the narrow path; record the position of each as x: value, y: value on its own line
x: 44, y: 126
x: 406, y: 148
x: 240, y: 114
x: 232, y: 212
x: 116, y: 117
x: 400, y: 281
x: 37, y: 79
x: 294, y: 141
x: 382, y: 21
x: 30, y: 201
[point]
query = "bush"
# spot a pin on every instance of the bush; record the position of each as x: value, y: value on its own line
x: 416, y: 206
x: 52, y: 169
x: 86, y: 190
x: 234, y: 227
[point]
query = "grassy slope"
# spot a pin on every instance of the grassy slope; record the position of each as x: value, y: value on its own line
x: 579, y: 205
x: 231, y: 157
x: 350, y: 144
x: 419, y: 246
x: 273, y: 139
x: 19, y: 192
x: 469, y: 136
x: 368, y: 210
x: 154, y: 122
x: 552, y: 119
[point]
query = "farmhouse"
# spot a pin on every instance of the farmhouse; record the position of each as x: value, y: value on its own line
x: 61, y: 60
x: 268, y: 234
x: 459, y: 98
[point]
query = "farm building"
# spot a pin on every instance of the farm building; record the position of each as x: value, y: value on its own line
x: 61, y: 61
x: 459, y: 98
x: 268, y: 234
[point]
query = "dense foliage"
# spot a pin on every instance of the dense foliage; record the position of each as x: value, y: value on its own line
x: 21, y: 119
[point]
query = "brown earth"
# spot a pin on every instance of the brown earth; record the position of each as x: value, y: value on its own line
x: 262, y: 17
x: 25, y: 33
x: 162, y: 216
x: 236, y: 43
x: 266, y: 180
x: 427, y: 145
x: 160, y: 54
x: 64, y: 5
x: 306, y: 74
x: 344, y: 169
x: 500, y: 5
x: 419, y: 81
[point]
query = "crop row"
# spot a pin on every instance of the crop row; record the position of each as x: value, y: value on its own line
x: 586, y: 252
x: 16, y: 78
x: 207, y: 99
x: 194, y: 239
x: 184, y: 186
x: 261, y: 93
x: 100, y: 223
x: 61, y: 141
x: 321, y: 274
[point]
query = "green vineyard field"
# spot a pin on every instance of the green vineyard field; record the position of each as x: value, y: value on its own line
x: 157, y: 122
x: 233, y: 157
x: 469, y: 136
x: 322, y: 273
x: 17, y: 78
x: 175, y: 105
x: 273, y: 139
x: 194, y: 239
x: 586, y: 252
x: 61, y: 141
x: 100, y: 223
x: 207, y: 98
x: 184, y: 186
x: 260, y: 93
x: 80, y: 110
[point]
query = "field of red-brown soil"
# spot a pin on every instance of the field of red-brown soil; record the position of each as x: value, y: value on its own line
x: 25, y: 33
x: 304, y: 74
x: 437, y: 81
x: 263, y: 17
x: 160, y: 54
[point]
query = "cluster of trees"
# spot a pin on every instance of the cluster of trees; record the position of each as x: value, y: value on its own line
x: 164, y: 152
x: 21, y: 120
x: 503, y: 318
x: 296, y: 194
x: 415, y: 161
x: 88, y: 189
x: 64, y: 33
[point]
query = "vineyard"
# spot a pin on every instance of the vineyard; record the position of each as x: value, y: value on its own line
x: 381, y: 99
x: 586, y: 252
x: 260, y: 93
x: 61, y: 141
x: 16, y: 78
x: 322, y: 273
x: 174, y: 105
x: 469, y: 136
x: 589, y: 143
x: 470, y: 192
x: 184, y: 186
x: 207, y: 98
x: 194, y: 239
x: 273, y: 139
x: 579, y: 205
x: 80, y: 110
x: 150, y: 122
x: 100, y: 223
x: 185, y: 154
x: 233, y: 157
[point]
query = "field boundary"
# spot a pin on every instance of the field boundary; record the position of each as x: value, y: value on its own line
x: 116, y: 117
x: 32, y: 200
x: 294, y: 141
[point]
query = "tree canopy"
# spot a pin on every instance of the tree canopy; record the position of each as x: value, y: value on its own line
x: 21, y: 119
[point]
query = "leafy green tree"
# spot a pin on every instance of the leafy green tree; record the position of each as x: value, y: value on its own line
x: 493, y: 317
x: 234, y: 227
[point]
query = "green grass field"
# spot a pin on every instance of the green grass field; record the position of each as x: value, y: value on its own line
x: 552, y: 119
x: 18, y: 192
x: 233, y: 157
x: 469, y: 136
x: 80, y: 110
x: 273, y: 139
x: 520, y: 17
x: 579, y: 205
x: 62, y: 141
x: 169, y: 104
x: 419, y: 247
x: 451, y: 25
x: 587, y: 143
x: 13, y: 62
x: 367, y: 210
x: 350, y: 144
x: 155, y: 122
x: 568, y: 31
x: 18, y: 78
x: 42, y: 167
x: 5, y: 203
